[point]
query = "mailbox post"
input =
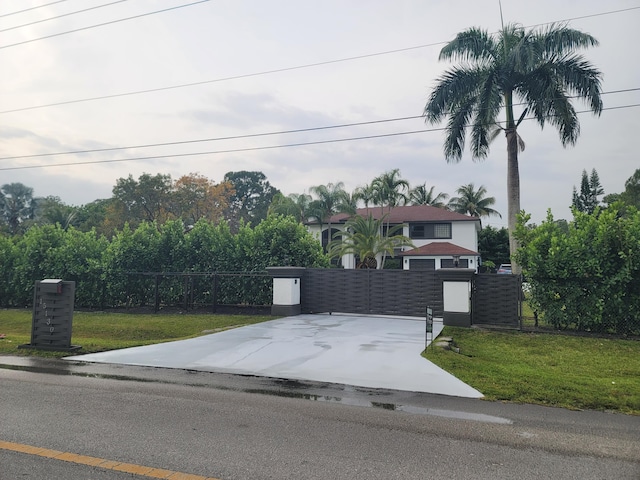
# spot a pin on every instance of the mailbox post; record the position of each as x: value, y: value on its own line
x: 53, y: 302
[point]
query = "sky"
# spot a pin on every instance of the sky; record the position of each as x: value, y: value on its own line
x: 182, y: 72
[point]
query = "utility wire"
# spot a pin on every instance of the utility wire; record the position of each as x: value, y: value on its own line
x: 267, y: 72
x: 32, y: 8
x: 60, y: 16
x: 103, y: 24
x: 251, y: 135
x: 267, y: 147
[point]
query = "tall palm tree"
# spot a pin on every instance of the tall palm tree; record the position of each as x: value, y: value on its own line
x: 332, y: 199
x: 538, y: 69
x: 421, y: 196
x: 473, y: 202
x: 390, y: 189
x: 362, y: 237
x: 366, y: 193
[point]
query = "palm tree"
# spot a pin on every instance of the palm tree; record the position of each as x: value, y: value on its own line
x: 363, y: 238
x: 390, y: 190
x: 473, y: 202
x: 421, y: 196
x: 296, y: 205
x: 332, y: 199
x: 537, y: 68
x: 366, y: 193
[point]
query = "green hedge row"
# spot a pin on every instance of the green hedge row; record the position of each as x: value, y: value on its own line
x: 102, y: 268
x: 585, y: 275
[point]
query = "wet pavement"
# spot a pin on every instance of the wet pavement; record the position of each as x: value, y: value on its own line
x: 361, y: 351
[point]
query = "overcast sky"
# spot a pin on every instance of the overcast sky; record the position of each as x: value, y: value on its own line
x: 246, y: 67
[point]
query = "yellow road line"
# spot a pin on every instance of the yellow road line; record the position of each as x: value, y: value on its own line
x: 141, y: 470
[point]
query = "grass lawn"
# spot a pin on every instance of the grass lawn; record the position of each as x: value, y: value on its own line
x: 97, y: 331
x: 560, y: 370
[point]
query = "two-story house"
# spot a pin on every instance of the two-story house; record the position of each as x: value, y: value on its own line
x: 442, y: 238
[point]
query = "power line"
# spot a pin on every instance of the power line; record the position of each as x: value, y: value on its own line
x: 215, y: 139
x: 32, y: 8
x: 267, y: 72
x: 267, y: 147
x: 61, y: 16
x: 103, y: 24
x: 251, y: 135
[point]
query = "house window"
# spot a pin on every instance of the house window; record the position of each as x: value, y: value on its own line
x: 430, y: 230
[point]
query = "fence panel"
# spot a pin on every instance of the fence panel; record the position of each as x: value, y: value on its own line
x: 497, y: 300
x: 373, y: 292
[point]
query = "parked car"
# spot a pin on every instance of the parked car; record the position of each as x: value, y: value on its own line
x: 505, y: 268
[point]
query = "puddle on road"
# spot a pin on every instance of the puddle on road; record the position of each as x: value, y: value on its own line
x: 282, y: 388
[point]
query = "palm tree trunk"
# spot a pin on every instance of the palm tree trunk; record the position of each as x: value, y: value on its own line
x: 513, y: 192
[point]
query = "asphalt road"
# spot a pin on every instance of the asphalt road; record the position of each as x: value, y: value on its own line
x: 233, y: 427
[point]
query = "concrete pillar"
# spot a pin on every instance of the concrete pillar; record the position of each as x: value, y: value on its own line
x: 456, y: 295
x: 286, y: 290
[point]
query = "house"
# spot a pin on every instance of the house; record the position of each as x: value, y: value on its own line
x: 442, y: 238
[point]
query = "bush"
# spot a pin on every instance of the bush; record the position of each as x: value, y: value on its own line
x: 585, y: 277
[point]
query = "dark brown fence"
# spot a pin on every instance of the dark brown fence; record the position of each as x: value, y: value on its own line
x: 497, y: 300
x: 381, y: 292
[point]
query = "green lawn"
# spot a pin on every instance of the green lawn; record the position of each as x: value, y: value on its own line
x: 549, y: 369
x: 97, y: 332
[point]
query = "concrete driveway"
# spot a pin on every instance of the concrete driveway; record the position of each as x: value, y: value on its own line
x: 365, y: 351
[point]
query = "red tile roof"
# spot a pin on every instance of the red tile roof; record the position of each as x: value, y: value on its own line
x: 408, y: 213
x: 438, y: 248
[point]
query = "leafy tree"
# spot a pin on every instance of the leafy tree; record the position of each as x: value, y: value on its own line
x: 493, y: 245
x: 17, y: 205
x: 146, y: 200
x: 93, y: 216
x: 196, y: 197
x: 631, y: 194
x: 252, y: 197
x: 362, y: 237
x: 421, y: 196
x: 473, y: 202
x: 588, y: 276
x: 590, y: 189
x: 54, y: 211
x: 538, y: 69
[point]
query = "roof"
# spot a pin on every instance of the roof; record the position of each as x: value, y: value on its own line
x: 408, y: 213
x: 438, y: 249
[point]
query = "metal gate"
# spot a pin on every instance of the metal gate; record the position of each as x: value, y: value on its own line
x: 373, y: 292
x: 497, y: 300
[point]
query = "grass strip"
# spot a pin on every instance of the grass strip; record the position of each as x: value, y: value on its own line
x: 566, y: 371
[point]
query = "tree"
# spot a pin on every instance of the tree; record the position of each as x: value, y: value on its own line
x: 631, y: 194
x: 421, y: 196
x: 590, y: 189
x: 52, y: 210
x: 252, y: 197
x: 17, y: 205
x: 473, y: 202
x: 196, y: 197
x: 332, y: 199
x: 362, y: 237
x: 538, y: 69
x: 390, y: 189
x: 366, y: 193
x: 147, y: 199
x: 587, y: 276
x: 296, y: 205
x: 493, y: 245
